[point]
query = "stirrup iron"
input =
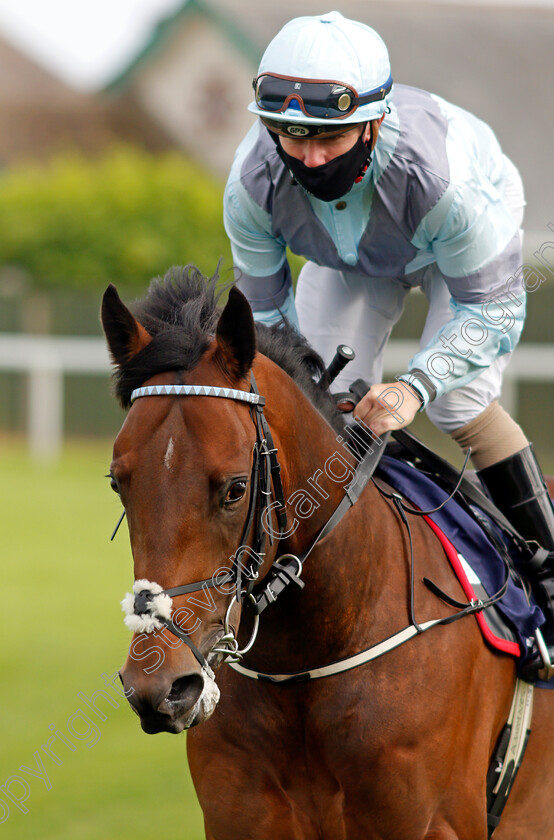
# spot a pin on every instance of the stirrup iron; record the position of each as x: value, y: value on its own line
x: 547, y: 672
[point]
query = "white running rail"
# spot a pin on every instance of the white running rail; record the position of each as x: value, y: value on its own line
x: 45, y: 360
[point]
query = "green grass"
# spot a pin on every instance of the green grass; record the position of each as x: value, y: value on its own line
x: 62, y: 630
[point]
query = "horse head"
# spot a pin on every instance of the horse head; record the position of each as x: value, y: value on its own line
x: 190, y: 471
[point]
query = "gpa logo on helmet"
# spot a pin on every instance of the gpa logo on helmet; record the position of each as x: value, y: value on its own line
x: 298, y: 130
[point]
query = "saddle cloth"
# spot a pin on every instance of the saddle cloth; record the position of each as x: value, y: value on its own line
x: 510, y: 625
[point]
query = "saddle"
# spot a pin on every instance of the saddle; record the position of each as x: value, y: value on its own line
x: 469, y: 490
x: 483, y: 547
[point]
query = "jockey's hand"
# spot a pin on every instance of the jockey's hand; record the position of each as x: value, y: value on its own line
x: 388, y: 406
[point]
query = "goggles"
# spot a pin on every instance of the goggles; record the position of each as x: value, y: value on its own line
x: 317, y: 99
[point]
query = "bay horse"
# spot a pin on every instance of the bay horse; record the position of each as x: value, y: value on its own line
x: 395, y: 749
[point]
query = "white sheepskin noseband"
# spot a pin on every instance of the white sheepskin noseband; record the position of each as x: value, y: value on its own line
x: 156, y: 605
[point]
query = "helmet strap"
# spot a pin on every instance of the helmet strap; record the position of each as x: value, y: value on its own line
x: 369, y: 144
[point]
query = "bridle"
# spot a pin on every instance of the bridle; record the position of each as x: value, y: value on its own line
x: 266, y: 471
x: 286, y: 569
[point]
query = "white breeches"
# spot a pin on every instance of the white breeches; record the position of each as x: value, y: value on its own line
x: 336, y: 307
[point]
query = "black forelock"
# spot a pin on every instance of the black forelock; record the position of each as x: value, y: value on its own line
x: 180, y: 312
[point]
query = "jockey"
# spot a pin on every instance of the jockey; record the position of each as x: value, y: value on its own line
x: 383, y: 190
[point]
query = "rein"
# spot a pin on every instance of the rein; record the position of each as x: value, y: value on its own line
x: 143, y: 609
x: 144, y: 612
x: 414, y: 629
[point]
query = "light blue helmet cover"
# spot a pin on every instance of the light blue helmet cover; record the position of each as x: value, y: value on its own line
x: 333, y: 48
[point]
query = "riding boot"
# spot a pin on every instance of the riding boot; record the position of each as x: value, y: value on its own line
x: 517, y: 487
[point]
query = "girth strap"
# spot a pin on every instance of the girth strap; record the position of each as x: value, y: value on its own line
x: 508, y: 754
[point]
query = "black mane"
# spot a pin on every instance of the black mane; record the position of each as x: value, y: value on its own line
x: 181, y: 311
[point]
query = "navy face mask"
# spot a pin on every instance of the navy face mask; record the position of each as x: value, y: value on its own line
x: 333, y: 179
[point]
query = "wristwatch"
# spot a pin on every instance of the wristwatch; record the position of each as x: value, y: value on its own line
x: 421, y: 384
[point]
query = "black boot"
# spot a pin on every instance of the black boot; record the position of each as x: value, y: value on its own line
x: 517, y: 487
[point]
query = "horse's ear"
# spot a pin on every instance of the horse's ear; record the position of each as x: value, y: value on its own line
x: 236, y: 336
x: 124, y: 334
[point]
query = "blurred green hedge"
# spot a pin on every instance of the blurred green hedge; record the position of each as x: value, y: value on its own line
x: 123, y: 217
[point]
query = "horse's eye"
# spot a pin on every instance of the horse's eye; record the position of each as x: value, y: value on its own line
x: 235, y: 492
x: 113, y: 484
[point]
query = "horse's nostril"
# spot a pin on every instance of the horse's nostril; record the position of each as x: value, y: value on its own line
x: 186, y: 690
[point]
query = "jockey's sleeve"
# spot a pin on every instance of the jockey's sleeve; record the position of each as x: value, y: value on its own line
x: 468, y: 344
x: 259, y: 258
x: 478, y: 252
x: 278, y: 296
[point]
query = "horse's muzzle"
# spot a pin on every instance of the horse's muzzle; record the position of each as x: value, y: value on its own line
x: 162, y: 707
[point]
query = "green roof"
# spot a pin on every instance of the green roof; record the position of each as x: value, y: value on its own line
x: 163, y: 31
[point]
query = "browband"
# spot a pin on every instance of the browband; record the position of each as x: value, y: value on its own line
x: 198, y: 391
